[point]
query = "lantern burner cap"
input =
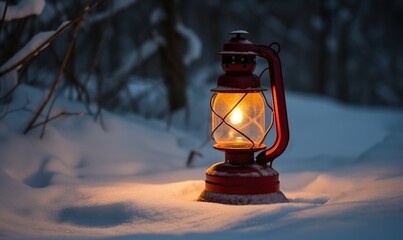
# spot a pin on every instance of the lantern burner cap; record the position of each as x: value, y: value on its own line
x: 248, y: 53
x: 238, y: 33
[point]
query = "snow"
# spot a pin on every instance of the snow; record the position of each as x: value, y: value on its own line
x: 35, y: 42
x: 342, y: 172
x: 136, y: 57
x: 33, y: 45
x: 194, y: 46
x: 331, y: 43
x: 234, y: 199
x: 193, y: 42
x: 316, y: 23
x: 156, y: 16
x: 22, y: 9
x: 118, y: 6
x: 7, y: 83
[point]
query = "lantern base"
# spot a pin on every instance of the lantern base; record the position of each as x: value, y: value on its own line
x: 236, y: 199
x: 241, y: 184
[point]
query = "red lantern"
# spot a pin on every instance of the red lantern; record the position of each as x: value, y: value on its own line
x: 238, y: 127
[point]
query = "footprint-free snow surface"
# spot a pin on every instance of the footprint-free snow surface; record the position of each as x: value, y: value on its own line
x: 342, y: 172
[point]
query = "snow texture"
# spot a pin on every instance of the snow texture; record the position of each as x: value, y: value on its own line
x: 342, y: 173
x: 156, y: 16
x: 233, y: 199
x: 137, y: 56
x: 7, y: 83
x: 22, y: 9
x: 30, y: 47
x: 194, y: 46
x: 118, y: 5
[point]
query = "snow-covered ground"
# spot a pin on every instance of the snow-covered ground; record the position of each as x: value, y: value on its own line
x: 343, y: 174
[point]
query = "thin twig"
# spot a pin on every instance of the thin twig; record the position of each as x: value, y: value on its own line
x: 52, y: 38
x: 57, y: 116
x: 48, y: 117
x: 70, y: 49
x: 23, y: 108
x: 191, y: 156
x: 96, y: 58
x: 54, y: 84
x: 9, y: 93
x: 4, y: 14
x: 98, y: 114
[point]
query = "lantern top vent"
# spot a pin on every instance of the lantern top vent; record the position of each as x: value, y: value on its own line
x: 238, y: 42
x: 238, y: 60
x: 238, y: 33
x: 237, y: 56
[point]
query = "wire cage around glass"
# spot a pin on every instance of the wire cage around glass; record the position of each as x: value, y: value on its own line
x: 238, y: 120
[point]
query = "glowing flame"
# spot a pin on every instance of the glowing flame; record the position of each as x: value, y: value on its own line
x: 236, y: 116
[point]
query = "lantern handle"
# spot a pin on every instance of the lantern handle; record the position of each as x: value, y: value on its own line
x: 279, y: 104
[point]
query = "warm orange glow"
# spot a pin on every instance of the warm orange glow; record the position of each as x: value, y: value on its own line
x: 247, y: 117
x: 236, y: 116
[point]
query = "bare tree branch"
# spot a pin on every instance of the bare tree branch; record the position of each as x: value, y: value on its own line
x: 52, y: 38
x: 55, y: 83
x: 23, y: 108
x: 4, y: 14
x: 55, y: 117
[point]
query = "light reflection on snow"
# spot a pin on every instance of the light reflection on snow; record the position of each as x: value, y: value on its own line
x: 80, y: 181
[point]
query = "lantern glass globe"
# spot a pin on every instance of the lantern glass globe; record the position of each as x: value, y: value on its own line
x: 238, y: 120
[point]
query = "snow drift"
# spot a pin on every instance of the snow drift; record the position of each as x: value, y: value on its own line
x: 343, y: 174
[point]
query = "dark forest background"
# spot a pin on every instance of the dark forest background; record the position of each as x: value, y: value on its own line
x: 129, y: 56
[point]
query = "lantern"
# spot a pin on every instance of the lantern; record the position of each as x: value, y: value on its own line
x: 238, y: 112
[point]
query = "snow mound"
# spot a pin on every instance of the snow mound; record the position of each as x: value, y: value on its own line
x: 343, y: 176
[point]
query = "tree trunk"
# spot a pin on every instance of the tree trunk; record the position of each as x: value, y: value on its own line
x: 171, y: 58
x: 323, y: 69
x: 343, y: 83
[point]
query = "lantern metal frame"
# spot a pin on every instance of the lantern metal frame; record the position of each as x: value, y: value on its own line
x: 241, y: 178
